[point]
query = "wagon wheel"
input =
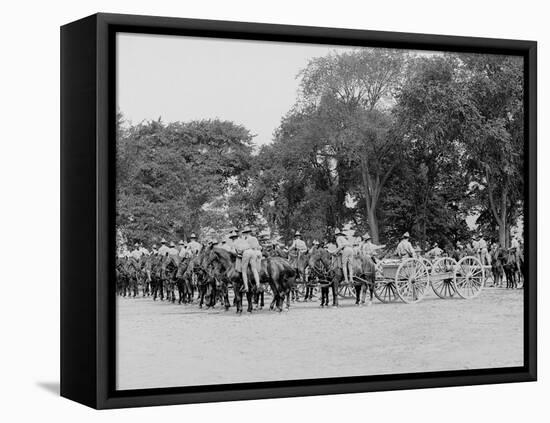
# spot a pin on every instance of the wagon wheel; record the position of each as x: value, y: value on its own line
x: 442, y: 286
x: 469, y: 277
x: 412, y: 280
x: 427, y: 263
x: 346, y: 290
x: 386, y: 291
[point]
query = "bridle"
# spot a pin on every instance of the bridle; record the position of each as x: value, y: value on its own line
x: 321, y: 271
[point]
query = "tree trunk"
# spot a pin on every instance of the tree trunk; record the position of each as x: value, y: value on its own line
x: 499, y: 215
x: 370, y: 192
x: 504, y: 241
x: 373, y: 224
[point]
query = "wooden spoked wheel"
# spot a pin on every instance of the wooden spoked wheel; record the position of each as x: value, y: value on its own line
x: 442, y: 277
x: 427, y: 263
x: 346, y: 290
x: 412, y: 280
x: 469, y: 277
x: 385, y: 291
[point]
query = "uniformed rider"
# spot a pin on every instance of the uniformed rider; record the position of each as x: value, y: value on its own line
x: 404, y: 248
x: 163, y: 250
x: 369, y: 249
x: 251, y: 256
x: 194, y: 247
x: 172, y: 251
x: 345, y: 249
x: 435, y: 252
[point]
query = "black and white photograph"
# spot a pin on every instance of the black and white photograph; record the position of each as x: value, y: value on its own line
x: 291, y: 211
x: 288, y: 211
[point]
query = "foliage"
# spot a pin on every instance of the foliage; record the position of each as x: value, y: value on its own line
x: 172, y: 179
x: 377, y: 140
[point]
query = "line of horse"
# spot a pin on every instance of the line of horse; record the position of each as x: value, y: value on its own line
x: 507, y: 264
x: 211, y: 274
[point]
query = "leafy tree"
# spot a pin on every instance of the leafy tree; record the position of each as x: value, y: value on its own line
x: 172, y: 179
x: 351, y: 91
x: 495, y: 150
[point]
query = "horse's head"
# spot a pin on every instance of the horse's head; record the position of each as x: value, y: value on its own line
x: 225, y: 259
x: 320, y: 260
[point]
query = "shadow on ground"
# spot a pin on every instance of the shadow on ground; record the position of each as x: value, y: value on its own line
x: 51, y: 387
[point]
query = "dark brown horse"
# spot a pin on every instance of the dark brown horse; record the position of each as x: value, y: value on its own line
x: 184, y: 282
x: 325, y: 271
x: 298, y: 261
x: 122, y: 276
x: 497, y: 269
x: 364, y: 271
x: 511, y: 268
x: 133, y: 272
x: 168, y: 270
x: 274, y: 270
x: 197, y: 273
x: 214, y: 280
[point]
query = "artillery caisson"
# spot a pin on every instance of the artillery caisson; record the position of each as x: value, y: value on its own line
x: 409, y: 280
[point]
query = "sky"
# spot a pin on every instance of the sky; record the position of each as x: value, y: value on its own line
x: 252, y: 83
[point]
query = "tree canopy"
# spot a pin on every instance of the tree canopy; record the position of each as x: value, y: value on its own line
x: 378, y: 140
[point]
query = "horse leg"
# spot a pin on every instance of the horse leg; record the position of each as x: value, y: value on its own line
x: 201, y: 291
x: 250, y: 300
x: 357, y: 289
x: 335, y: 285
x: 213, y: 295
x: 226, y: 298
x: 287, y: 298
x: 324, y: 295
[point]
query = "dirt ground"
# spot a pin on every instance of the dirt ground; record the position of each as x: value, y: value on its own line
x: 163, y: 345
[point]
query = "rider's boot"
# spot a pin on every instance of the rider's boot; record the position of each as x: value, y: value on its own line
x: 259, y: 285
x: 345, y: 271
x: 245, y: 280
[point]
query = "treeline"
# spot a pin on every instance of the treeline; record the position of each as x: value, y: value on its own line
x: 380, y: 140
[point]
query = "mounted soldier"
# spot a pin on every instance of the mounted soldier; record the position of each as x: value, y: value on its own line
x: 229, y: 244
x: 163, y: 248
x: 315, y: 245
x: 344, y: 251
x: 435, y: 252
x: 173, y: 251
x: 297, y: 257
x: 181, y: 246
x: 480, y: 247
x: 369, y: 249
x: 194, y: 247
x: 404, y: 248
x: 136, y: 253
x: 298, y: 246
x: 248, y: 254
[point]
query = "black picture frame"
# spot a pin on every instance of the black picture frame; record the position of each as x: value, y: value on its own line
x: 88, y: 108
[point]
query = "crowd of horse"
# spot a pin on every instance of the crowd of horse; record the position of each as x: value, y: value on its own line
x: 507, y: 265
x: 209, y: 276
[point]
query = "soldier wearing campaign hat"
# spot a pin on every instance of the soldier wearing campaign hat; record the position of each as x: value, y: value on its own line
x: 367, y: 248
x: 345, y: 251
x: 404, y: 248
x: 194, y: 247
x: 163, y: 250
x: 298, y: 246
